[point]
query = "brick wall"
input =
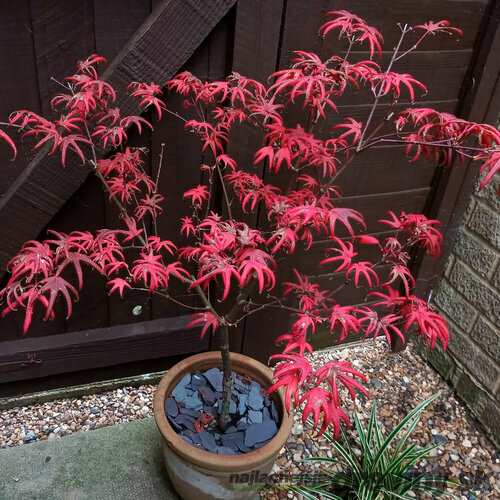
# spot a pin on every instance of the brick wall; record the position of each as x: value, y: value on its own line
x: 469, y: 297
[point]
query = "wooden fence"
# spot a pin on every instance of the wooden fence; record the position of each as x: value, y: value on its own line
x: 43, y: 39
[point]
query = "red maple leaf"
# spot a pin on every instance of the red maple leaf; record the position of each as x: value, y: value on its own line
x: 353, y: 127
x: 118, y: 284
x: 341, y: 316
x: 290, y: 373
x: 343, y: 215
x: 198, y: 195
x: 340, y: 371
x: 54, y: 286
x: 208, y: 319
x: 148, y: 94
x: 362, y: 269
x: 319, y: 401
x: 295, y: 340
x: 254, y: 261
x: 432, y: 27
x: 346, y: 253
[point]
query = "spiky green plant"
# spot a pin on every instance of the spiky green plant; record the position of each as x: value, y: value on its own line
x: 385, y: 469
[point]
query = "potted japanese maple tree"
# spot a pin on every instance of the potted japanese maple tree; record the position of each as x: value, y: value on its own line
x: 235, y: 268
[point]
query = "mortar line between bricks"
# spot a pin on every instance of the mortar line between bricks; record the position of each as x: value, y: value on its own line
x: 486, y: 283
x: 481, y: 239
x: 477, y: 311
x: 460, y: 363
x: 473, y: 323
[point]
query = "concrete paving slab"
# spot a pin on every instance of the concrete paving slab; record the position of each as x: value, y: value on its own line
x: 120, y: 462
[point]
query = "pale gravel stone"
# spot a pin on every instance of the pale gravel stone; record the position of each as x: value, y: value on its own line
x: 464, y: 438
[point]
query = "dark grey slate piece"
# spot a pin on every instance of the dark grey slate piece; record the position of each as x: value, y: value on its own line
x: 239, y: 440
x: 192, y: 413
x: 232, y: 406
x: 195, y: 437
x: 242, y: 424
x: 254, y: 417
x: 224, y: 450
x: 179, y: 393
x: 255, y: 399
x: 193, y: 402
x: 214, y: 376
x: 208, y: 441
x: 214, y: 411
x: 207, y: 394
x: 231, y: 429
x: 243, y: 448
x: 242, y: 403
x: 186, y: 438
x: 209, y: 409
x: 198, y: 380
x: 235, y: 441
x: 177, y: 427
x: 274, y: 412
x: 257, y: 433
x: 185, y: 381
x: 266, y: 415
x: 254, y: 384
x: 438, y: 439
x: 171, y: 408
x: 241, y: 387
x: 261, y: 444
x: 185, y: 421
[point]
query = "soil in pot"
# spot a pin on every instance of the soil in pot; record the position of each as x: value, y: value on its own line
x: 193, y: 407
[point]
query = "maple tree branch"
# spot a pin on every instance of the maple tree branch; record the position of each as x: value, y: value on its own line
x: 169, y: 297
x: 404, y: 30
x: 224, y: 190
x: 177, y: 115
x: 276, y: 304
x: 155, y: 191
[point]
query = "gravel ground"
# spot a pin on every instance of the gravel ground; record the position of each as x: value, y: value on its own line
x: 398, y: 383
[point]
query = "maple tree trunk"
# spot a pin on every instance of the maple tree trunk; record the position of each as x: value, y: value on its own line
x: 227, y: 378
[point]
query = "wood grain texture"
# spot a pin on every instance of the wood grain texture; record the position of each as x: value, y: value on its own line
x: 255, y: 55
x: 97, y: 348
x: 255, y: 40
x: 452, y: 189
x: 63, y: 33
x: 155, y: 52
x: 110, y: 39
x: 19, y: 89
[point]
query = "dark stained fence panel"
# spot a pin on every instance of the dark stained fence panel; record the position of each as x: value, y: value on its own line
x: 162, y: 44
x: 19, y: 89
x: 97, y: 348
x: 63, y: 33
x: 255, y: 39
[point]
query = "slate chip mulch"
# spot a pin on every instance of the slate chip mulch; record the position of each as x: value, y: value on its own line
x: 254, y: 417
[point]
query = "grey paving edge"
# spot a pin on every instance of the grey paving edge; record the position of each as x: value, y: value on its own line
x: 120, y: 462
x: 79, y: 390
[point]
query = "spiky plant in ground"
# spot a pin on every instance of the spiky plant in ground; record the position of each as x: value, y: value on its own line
x: 372, y: 466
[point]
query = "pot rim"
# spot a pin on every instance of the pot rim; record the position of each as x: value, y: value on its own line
x: 206, y: 459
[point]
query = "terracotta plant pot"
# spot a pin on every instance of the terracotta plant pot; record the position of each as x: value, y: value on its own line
x: 201, y: 475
